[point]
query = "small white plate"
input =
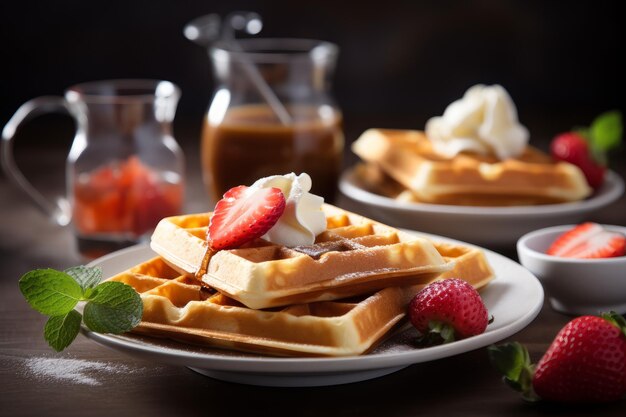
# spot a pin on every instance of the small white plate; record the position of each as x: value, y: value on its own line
x: 575, y: 286
x: 514, y: 299
x: 486, y: 226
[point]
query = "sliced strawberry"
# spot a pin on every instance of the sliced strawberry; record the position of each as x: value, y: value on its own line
x: 243, y: 215
x: 603, y: 245
x: 588, y: 241
x: 573, y: 238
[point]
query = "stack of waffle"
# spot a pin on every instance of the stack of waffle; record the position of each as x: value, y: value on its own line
x: 402, y: 164
x: 340, y: 296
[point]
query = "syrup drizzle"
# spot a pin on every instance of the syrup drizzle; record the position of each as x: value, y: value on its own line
x: 317, y: 250
x: 205, y: 290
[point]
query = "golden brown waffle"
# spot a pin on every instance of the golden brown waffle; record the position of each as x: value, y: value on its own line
x: 467, y: 179
x: 355, y: 255
x: 470, y: 264
x: 177, y: 307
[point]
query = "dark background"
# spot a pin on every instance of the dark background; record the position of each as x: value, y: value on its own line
x: 400, y: 62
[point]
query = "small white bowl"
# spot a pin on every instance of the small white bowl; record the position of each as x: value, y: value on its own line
x: 575, y: 286
x: 492, y: 227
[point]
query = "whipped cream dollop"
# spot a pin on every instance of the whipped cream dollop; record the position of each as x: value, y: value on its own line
x: 303, y: 218
x: 483, y: 121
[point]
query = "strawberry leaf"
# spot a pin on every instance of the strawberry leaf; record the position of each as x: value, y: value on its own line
x: 606, y: 131
x: 616, y: 320
x: 513, y: 362
x: 438, y: 333
x: 583, y: 132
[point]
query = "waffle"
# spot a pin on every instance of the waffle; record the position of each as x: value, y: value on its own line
x: 408, y: 158
x: 353, y: 256
x: 177, y: 307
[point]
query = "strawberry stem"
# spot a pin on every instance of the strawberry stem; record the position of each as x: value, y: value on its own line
x: 615, y: 319
x: 438, y: 333
x: 513, y: 362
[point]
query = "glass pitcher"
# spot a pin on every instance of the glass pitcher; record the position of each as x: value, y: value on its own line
x: 124, y: 171
x: 272, y: 112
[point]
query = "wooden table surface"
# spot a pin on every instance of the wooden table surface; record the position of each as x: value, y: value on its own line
x: 34, y: 380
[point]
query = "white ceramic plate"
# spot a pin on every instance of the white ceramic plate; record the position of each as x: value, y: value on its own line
x: 514, y: 299
x: 486, y: 226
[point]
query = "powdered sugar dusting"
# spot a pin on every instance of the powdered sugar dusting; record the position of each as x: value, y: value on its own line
x: 77, y: 371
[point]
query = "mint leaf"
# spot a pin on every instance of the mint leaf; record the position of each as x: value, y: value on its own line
x: 60, y: 331
x: 85, y: 276
x: 50, y: 292
x: 606, y: 131
x: 113, y: 307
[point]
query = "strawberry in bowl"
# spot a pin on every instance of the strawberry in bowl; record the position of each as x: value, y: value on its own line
x: 581, y: 267
x: 588, y: 241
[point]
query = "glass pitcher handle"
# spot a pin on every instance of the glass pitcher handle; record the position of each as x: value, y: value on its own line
x: 60, y: 211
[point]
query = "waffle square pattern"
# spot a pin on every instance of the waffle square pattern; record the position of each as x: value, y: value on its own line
x: 354, y: 256
x: 179, y: 307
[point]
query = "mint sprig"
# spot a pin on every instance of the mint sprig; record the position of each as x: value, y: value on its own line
x: 111, y: 307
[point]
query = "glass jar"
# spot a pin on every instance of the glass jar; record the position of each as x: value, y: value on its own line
x: 272, y: 113
x: 124, y: 171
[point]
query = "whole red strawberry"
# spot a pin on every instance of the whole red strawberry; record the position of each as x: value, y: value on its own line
x: 448, y: 309
x: 586, y: 362
x: 587, y: 147
x: 572, y: 147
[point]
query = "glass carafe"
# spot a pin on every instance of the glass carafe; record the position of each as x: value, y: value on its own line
x: 272, y: 112
x: 124, y: 171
